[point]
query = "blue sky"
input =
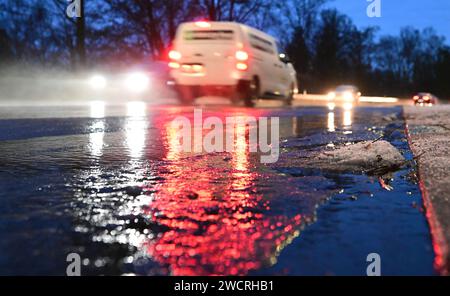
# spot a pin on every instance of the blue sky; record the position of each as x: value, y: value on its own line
x: 396, y: 14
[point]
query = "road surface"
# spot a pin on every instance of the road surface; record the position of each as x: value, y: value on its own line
x: 110, y: 183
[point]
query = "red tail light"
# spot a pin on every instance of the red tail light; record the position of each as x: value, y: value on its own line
x: 174, y: 55
x: 203, y: 24
x: 174, y: 65
x: 241, y: 66
x: 241, y: 55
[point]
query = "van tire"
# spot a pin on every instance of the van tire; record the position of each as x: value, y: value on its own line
x: 290, y: 96
x: 254, y: 90
x: 247, y: 92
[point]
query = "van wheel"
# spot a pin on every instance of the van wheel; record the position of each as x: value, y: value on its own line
x: 246, y: 92
x: 186, y: 94
x: 253, y: 91
x: 290, y: 96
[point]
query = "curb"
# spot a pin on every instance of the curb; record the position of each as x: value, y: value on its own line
x: 440, y: 245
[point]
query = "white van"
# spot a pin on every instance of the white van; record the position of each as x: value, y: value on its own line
x: 231, y: 59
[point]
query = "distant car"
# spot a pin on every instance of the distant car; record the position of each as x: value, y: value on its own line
x: 347, y: 93
x: 230, y: 59
x: 425, y: 99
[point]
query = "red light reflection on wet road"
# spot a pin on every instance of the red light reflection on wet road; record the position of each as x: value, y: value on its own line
x: 218, y: 224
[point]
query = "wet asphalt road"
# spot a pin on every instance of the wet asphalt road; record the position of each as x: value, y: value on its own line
x: 111, y: 183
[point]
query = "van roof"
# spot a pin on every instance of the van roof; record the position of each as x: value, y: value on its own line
x: 231, y: 24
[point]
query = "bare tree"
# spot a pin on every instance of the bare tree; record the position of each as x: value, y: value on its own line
x: 298, y: 15
x: 243, y: 11
x: 67, y: 28
x: 28, y: 25
x: 147, y: 24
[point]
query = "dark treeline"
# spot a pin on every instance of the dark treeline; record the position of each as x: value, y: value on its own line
x: 325, y: 46
x: 337, y: 52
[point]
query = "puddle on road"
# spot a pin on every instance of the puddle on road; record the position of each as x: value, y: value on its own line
x: 118, y: 191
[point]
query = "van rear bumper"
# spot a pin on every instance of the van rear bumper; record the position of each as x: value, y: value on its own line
x: 223, y: 77
x: 212, y: 89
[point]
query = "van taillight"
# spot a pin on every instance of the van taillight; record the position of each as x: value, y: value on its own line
x: 174, y: 55
x: 241, y: 66
x: 241, y: 55
x: 203, y: 24
x: 174, y: 65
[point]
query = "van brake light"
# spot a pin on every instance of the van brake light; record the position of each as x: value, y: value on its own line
x: 203, y: 24
x: 174, y: 65
x: 241, y: 55
x: 241, y: 66
x: 174, y: 55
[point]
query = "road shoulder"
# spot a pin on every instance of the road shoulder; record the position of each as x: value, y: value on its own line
x: 428, y: 130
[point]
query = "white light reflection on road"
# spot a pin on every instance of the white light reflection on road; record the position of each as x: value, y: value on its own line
x: 331, y: 126
x: 136, y: 109
x: 136, y: 129
x: 96, y: 138
x: 330, y: 119
x: 348, y: 114
x: 331, y: 106
x: 97, y: 109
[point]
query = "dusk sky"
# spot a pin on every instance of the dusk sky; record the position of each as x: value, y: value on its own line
x: 396, y: 14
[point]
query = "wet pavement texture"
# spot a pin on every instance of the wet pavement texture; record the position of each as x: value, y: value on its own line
x: 113, y: 184
x: 429, y: 132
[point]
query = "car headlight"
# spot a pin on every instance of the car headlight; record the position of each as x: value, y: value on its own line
x: 331, y: 95
x: 137, y: 82
x: 348, y: 96
x: 97, y: 82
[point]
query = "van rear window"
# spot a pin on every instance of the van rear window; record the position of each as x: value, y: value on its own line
x: 261, y: 44
x: 208, y: 35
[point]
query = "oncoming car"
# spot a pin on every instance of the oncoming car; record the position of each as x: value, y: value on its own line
x: 230, y: 59
x: 347, y: 93
x: 138, y: 80
x: 425, y: 99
